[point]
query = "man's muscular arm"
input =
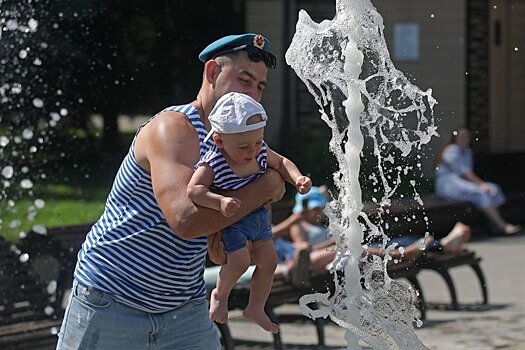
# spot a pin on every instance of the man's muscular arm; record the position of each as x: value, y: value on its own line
x: 167, y: 148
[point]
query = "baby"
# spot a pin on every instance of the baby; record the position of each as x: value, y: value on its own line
x: 238, y: 157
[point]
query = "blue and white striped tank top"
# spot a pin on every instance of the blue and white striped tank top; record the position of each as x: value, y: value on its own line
x: 132, y: 253
x: 224, y: 177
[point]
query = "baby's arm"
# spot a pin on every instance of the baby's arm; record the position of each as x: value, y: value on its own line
x: 199, y: 192
x: 289, y: 171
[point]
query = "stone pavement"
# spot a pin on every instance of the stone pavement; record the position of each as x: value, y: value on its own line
x: 500, y: 325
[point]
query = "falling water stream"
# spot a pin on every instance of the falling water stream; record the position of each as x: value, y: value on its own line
x: 346, y: 66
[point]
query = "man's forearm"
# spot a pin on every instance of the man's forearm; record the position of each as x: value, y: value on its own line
x: 199, y: 221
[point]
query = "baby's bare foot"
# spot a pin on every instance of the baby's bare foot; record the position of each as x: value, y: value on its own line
x: 218, y: 308
x: 259, y: 317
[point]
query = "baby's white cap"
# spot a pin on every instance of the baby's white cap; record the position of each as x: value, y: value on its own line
x: 232, y: 111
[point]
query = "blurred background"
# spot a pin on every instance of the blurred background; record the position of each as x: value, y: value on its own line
x: 79, y: 77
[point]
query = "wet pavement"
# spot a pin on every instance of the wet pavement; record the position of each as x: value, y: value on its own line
x: 498, y: 325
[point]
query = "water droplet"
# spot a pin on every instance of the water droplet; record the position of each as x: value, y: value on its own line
x: 38, y: 103
x: 516, y: 49
x: 3, y: 141
x: 27, y: 134
x: 40, y: 229
x: 495, y: 7
x: 24, y: 258
x: 32, y: 149
x: 12, y: 24
x: 432, y: 15
x: 26, y: 184
x: 37, y: 62
x: 33, y: 24
x: 8, y: 172
x: 54, y: 116
x: 22, y: 235
x: 49, y: 310
x: 22, y: 54
x: 63, y: 112
x: 51, y: 287
x: 40, y: 203
x: 419, y: 323
x: 54, y: 330
x: 16, y: 89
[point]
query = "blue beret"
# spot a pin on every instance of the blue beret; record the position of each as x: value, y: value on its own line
x: 234, y: 42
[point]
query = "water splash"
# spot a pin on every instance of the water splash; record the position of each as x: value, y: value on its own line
x: 346, y: 66
x: 24, y: 129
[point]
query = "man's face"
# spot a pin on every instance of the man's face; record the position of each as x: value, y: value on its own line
x: 243, y: 76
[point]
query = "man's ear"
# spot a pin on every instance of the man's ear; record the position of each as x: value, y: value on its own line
x: 211, y: 71
x: 218, y: 141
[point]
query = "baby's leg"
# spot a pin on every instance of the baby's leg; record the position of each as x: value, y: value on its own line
x: 263, y: 254
x: 238, y: 262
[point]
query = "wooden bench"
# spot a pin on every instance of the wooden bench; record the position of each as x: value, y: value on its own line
x: 31, y: 308
x: 442, y: 264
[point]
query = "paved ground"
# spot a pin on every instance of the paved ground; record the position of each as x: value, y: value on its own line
x: 500, y: 325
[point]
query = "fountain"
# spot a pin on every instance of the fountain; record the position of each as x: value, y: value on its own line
x: 346, y: 66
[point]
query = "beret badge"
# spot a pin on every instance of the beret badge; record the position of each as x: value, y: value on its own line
x: 258, y: 41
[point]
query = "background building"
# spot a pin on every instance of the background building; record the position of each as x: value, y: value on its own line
x: 470, y: 52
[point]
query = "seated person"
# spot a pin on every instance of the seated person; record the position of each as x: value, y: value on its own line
x: 298, y: 258
x: 304, y: 229
x: 455, y: 179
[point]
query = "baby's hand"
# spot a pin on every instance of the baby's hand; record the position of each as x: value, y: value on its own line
x: 229, y: 206
x: 303, y: 184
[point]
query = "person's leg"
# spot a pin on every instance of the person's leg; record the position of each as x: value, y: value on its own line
x: 94, y: 320
x: 265, y: 259
x: 499, y: 224
x: 453, y: 242
x: 237, y: 263
x: 187, y: 327
x: 408, y: 248
x: 320, y: 258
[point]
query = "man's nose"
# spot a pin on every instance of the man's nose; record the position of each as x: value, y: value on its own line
x: 254, y: 93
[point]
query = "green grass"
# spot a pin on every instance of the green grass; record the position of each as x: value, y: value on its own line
x: 64, y: 205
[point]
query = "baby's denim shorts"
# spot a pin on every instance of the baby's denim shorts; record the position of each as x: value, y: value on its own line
x: 254, y: 227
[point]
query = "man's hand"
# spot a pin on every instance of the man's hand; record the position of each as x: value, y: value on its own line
x: 303, y: 184
x: 229, y: 206
x: 216, y: 249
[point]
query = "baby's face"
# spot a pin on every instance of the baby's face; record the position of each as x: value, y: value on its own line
x: 241, y: 147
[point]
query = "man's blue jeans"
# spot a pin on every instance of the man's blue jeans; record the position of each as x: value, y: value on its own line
x: 95, y: 321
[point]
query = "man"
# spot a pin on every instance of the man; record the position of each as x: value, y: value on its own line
x: 138, y: 281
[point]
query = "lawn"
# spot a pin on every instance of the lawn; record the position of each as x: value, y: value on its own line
x: 64, y: 204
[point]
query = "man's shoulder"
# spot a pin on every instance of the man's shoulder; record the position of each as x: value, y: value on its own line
x: 170, y: 119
